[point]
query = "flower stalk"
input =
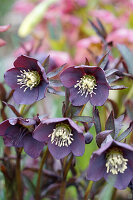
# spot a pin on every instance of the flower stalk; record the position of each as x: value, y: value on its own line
x: 63, y: 184
x: 37, y: 192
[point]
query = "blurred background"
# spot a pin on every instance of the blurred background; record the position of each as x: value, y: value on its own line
x: 67, y: 31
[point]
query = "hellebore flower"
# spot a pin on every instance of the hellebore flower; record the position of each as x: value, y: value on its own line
x: 86, y: 83
x: 62, y: 135
x: 15, y: 133
x: 113, y: 161
x: 28, y: 79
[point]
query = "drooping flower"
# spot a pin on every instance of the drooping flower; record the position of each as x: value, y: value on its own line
x: 16, y: 133
x: 62, y: 135
x: 28, y: 79
x: 86, y: 83
x: 114, y: 162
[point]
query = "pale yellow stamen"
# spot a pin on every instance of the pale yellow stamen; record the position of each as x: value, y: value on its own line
x: 28, y: 79
x: 116, y: 163
x: 61, y: 135
x: 86, y: 85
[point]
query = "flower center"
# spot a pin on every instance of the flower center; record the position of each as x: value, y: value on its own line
x: 86, y: 85
x: 61, y: 135
x: 28, y: 79
x: 115, y: 161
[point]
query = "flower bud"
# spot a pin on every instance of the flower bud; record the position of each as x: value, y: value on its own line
x: 88, y: 138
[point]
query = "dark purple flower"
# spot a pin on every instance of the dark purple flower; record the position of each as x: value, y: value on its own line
x: 62, y: 135
x: 15, y: 133
x: 28, y: 79
x: 86, y: 83
x: 113, y: 161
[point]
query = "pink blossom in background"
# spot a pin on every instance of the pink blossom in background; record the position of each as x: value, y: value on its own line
x: 122, y: 35
x: 60, y: 57
x: 86, y: 42
x: 104, y: 15
x: 109, y: 18
x: 23, y: 7
x: 3, y: 29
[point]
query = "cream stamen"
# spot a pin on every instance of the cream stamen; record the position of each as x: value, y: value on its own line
x: 28, y: 79
x: 86, y: 85
x: 61, y: 135
x: 115, y: 161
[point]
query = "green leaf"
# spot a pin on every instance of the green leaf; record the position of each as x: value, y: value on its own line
x: 104, y: 60
x: 29, y: 184
x: 118, y: 87
x: 96, y: 119
x: 127, y: 55
x: 110, y: 72
x: 55, y: 71
x: 55, y: 83
x: 83, y: 119
x: 125, y: 133
x: 53, y: 91
x: 34, y: 17
x: 107, y: 192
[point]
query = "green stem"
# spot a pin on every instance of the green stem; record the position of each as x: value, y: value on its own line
x: 63, y: 184
x: 21, y: 109
x: 18, y: 165
x: 88, y: 190
x: 18, y: 174
x: 37, y: 192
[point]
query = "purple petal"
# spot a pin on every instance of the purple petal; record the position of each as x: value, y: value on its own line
x: 118, y: 124
x: 78, y: 144
x: 96, y: 168
x: 14, y: 120
x: 14, y: 135
x: 74, y: 125
x: 42, y: 131
x: 58, y: 152
x: 70, y: 76
x: 11, y: 78
x: 101, y: 95
x: 97, y: 72
x: 3, y: 127
x: 128, y: 155
x: 26, y: 122
x: 124, y: 146
x: 54, y: 120
x: 121, y: 180
x: 26, y: 62
x: 76, y: 99
x: 7, y: 141
x: 42, y: 90
x: 27, y: 97
x: 32, y: 147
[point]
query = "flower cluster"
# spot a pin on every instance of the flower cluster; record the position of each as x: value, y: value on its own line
x: 29, y: 82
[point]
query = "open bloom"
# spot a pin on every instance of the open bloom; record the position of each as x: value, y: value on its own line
x: 86, y: 83
x: 15, y: 133
x: 28, y: 79
x: 113, y: 161
x: 62, y: 135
